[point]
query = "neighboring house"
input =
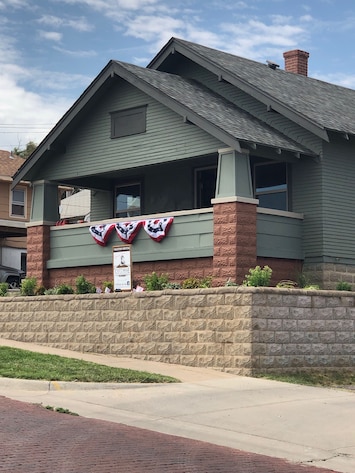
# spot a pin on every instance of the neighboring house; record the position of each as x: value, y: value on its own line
x: 75, y: 206
x: 255, y: 164
x: 15, y: 205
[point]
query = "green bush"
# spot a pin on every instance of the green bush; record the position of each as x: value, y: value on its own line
x: 312, y: 287
x: 40, y: 291
x: 258, y: 276
x: 196, y: 283
x: 172, y: 285
x: 64, y: 289
x: 107, y: 285
x: 343, y: 286
x: 28, y: 287
x: 155, y: 282
x: 83, y: 286
x: 4, y: 289
x: 51, y: 291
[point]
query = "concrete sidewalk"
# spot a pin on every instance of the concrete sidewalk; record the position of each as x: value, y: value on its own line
x: 308, y: 425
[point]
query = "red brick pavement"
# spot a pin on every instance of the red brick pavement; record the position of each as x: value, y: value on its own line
x: 36, y: 440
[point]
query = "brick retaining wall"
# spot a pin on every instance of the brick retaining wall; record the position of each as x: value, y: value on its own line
x: 237, y: 329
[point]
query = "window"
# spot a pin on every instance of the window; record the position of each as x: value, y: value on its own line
x: 128, y: 200
x: 205, y: 186
x: 270, y: 184
x: 18, y: 199
x: 127, y: 122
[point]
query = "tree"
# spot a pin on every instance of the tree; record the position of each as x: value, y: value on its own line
x: 24, y: 153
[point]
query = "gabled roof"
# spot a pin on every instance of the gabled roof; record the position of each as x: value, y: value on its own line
x: 194, y: 102
x: 316, y: 105
x: 9, y: 164
x: 206, y: 109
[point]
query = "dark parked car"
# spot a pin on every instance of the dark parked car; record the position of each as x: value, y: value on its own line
x: 12, y: 276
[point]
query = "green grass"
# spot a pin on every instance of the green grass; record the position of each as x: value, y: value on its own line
x: 326, y: 379
x: 23, y: 364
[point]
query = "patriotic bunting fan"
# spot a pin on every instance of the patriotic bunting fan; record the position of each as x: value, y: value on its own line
x: 101, y: 233
x: 128, y: 230
x: 158, y: 228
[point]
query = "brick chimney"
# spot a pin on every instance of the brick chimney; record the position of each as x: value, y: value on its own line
x: 296, y: 61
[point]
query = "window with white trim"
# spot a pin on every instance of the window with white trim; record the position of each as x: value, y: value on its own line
x: 18, y: 202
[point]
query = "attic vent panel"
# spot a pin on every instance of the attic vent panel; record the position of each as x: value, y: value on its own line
x: 128, y: 122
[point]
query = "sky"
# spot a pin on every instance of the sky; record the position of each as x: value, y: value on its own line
x: 51, y: 50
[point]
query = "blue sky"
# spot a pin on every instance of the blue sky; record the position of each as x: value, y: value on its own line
x: 50, y: 50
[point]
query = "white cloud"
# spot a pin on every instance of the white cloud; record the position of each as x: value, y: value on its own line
x: 337, y: 78
x: 110, y: 5
x: 51, y: 35
x: 78, y: 24
x: 78, y: 53
x: 254, y: 38
x: 27, y: 113
x: 13, y: 4
x: 150, y: 28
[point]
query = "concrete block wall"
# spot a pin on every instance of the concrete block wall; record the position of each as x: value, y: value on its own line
x: 237, y: 329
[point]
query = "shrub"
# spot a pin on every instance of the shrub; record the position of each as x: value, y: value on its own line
x: 196, y: 283
x: 172, y: 285
x: 4, y: 289
x: 154, y: 282
x: 312, y: 287
x: 83, y: 286
x: 107, y: 285
x: 51, y: 291
x: 258, y: 276
x: 64, y: 289
x: 343, y: 286
x: 28, y: 287
x: 40, y: 291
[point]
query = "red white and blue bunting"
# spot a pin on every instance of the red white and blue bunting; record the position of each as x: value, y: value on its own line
x: 128, y: 230
x: 101, y: 233
x: 156, y: 228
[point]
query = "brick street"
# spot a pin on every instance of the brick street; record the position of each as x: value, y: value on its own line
x: 36, y: 440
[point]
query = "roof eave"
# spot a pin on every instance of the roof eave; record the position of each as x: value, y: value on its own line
x: 175, y: 45
x: 189, y: 115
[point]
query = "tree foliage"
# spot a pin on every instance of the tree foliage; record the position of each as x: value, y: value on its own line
x: 24, y: 153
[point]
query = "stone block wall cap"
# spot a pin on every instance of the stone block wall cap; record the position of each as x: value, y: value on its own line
x: 236, y: 198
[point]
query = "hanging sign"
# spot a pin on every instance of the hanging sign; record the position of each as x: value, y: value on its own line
x: 122, y: 268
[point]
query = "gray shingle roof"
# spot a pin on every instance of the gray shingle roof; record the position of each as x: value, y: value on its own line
x: 212, y: 107
x: 328, y: 105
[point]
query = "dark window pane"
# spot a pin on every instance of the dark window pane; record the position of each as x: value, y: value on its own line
x: 271, y: 185
x: 205, y: 186
x: 128, y: 122
x: 128, y: 200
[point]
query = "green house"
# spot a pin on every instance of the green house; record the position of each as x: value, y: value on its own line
x: 254, y: 163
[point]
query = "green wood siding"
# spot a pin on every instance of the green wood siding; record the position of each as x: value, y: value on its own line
x: 192, y: 70
x: 91, y: 151
x: 101, y: 205
x: 306, y: 197
x: 190, y: 236
x: 279, y: 236
x: 339, y: 199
